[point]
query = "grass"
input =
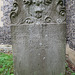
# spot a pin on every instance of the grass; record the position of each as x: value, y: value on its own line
x: 6, y: 65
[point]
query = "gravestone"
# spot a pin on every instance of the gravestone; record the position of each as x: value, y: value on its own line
x: 38, y: 37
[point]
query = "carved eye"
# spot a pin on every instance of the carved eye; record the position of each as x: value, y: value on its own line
x: 47, y: 2
x: 27, y: 2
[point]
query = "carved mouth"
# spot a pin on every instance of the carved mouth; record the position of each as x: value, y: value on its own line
x: 38, y: 15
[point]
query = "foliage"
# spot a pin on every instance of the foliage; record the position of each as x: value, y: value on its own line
x: 6, y: 64
x: 68, y: 71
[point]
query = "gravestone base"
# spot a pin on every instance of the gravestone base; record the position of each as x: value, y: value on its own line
x: 39, y: 49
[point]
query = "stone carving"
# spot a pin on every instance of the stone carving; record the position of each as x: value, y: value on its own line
x: 28, y: 21
x: 47, y: 19
x: 47, y: 2
x: 61, y: 8
x: 14, y: 11
x: 27, y: 2
x: 38, y: 10
x: 59, y: 20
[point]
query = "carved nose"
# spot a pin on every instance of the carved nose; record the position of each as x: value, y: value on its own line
x: 38, y: 10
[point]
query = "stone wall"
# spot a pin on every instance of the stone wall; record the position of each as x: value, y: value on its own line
x: 70, y: 9
x: 5, y: 35
x: 1, y: 35
x: 5, y: 32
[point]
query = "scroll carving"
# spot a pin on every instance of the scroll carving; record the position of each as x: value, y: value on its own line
x: 27, y: 20
x: 15, y: 10
x: 38, y: 10
x: 61, y: 8
x: 47, y: 20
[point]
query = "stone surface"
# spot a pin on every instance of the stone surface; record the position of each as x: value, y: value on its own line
x: 39, y: 49
x: 38, y: 37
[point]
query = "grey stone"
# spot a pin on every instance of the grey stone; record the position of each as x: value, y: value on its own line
x: 5, y: 32
x: 39, y: 49
x: 70, y: 9
x: 38, y: 37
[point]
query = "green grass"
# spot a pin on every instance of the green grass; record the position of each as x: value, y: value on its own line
x: 6, y: 64
x: 68, y: 70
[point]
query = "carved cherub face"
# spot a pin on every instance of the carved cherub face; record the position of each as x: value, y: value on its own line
x: 36, y: 7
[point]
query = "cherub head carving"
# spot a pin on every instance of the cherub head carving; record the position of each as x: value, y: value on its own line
x: 36, y: 8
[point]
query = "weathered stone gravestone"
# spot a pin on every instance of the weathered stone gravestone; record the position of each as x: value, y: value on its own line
x: 38, y: 37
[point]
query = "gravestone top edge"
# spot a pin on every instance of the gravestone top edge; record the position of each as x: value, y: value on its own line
x: 64, y: 23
